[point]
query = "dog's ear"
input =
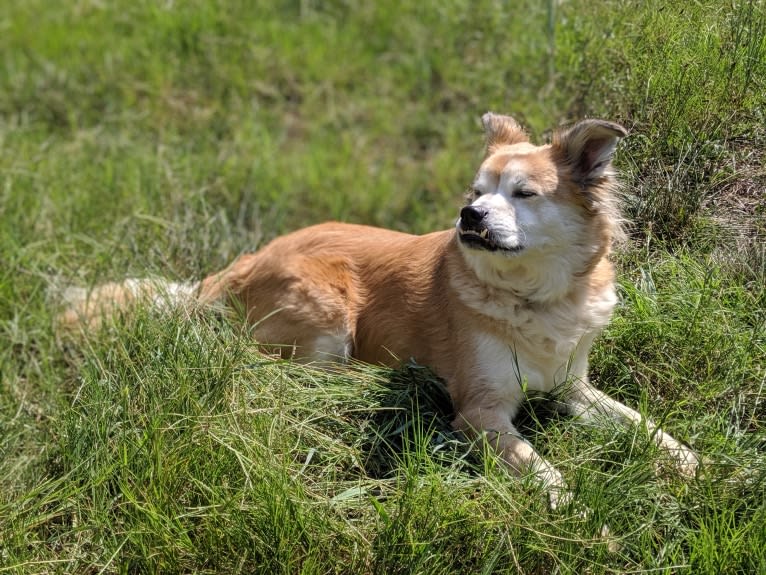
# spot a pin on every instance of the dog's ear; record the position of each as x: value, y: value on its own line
x: 501, y: 131
x: 588, y: 147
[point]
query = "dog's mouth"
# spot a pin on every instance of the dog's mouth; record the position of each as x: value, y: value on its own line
x: 483, y: 239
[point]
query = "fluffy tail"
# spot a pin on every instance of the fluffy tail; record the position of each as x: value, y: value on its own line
x: 89, y: 309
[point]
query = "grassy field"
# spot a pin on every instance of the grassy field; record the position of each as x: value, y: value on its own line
x: 161, y: 138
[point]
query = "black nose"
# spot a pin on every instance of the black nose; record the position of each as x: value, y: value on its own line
x: 471, y: 217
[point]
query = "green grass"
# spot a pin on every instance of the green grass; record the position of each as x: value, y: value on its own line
x: 161, y: 138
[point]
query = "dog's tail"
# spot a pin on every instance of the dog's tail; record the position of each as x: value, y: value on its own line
x: 83, y: 308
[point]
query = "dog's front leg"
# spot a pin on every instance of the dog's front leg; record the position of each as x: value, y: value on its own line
x: 581, y: 399
x: 516, y: 452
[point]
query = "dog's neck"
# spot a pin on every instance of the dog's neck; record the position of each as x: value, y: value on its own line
x: 532, y: 279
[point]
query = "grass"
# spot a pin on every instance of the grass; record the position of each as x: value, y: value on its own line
x: 160, y: 138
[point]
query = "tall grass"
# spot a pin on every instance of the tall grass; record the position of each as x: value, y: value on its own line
x: 162, y: 138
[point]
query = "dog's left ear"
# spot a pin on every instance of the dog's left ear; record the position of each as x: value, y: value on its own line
x: 588, y: 147
x: 501, y: 131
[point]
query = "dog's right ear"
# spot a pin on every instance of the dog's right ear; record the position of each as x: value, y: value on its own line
x: 501, y: 131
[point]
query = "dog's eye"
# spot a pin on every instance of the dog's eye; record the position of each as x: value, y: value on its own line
x: 471, y: 194
x: 523, y: 194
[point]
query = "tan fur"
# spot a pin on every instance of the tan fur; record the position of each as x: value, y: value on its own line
x: 494, y: 324
x: 501, y: 130
x: 373, y: 287
x: 90, y: 308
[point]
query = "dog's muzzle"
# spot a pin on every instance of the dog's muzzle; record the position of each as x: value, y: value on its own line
x: 472, y: 219
x: 474, y: 232
x: 473, y: 229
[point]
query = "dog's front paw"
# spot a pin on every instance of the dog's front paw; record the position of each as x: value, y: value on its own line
x: 559, y: 498
x: 687, y: 461
x: 558, y: 494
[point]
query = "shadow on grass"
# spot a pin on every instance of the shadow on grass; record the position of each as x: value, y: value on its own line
x: 414, y: 420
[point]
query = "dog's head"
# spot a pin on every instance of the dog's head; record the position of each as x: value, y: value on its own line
x: 530, y: 201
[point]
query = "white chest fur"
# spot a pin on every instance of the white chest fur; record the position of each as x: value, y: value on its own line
x: 512, y: 366
x: 536, y: 348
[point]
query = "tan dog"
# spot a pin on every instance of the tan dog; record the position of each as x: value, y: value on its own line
x: 508, y: 302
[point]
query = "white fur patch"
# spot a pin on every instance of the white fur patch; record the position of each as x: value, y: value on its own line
x: 171, y: 294
x: 515, y: 370
x: 543, y: 345
x: 332, y: 347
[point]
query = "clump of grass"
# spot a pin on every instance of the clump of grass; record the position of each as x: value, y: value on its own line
x: 690, y: 100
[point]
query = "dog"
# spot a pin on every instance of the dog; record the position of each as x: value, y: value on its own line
x: 508, y: 302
